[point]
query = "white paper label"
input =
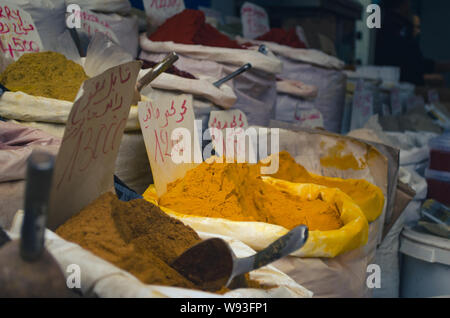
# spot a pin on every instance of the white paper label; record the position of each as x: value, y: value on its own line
x: 255, y: 21
x: 92, y: 23
x: 232, y: 124
x: 18, y: 34
x: 170, y: 137
x: 85, y: 163
x: 159, y: 11
x: 310, y: 118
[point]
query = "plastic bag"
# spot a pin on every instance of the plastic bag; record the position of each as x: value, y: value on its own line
x: 258, y: 235
x: 124, y: 30
x: 48, y: 16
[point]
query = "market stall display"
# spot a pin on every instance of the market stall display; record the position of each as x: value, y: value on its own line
x: 226, y: 151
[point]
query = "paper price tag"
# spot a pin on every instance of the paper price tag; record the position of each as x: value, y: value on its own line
x: 85, y: 163
x: 236, y: 120
x: 255, y: 21
x: 310, y: 118
x: 158, y: 11
x: 92, y: 23
x: 170, y: 137
x: 227, y: 119
x: 18, y: 34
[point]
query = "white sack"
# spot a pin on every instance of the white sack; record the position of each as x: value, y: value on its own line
x: 255, y: 90
x: 103, y: 279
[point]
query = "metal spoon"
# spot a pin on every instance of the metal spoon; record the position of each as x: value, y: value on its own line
x: 27, y: 269
x: 152, y: 74
x: 240, y: 70
x: 212, y: 264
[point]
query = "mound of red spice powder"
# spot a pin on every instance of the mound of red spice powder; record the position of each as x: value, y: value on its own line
x: 189, y: 27
x: 281, y: 36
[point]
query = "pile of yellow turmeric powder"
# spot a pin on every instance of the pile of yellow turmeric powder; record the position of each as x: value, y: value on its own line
x: 46, y: 74
x: 236, y: 192
x: 137, y: 237
x: 367, y: 196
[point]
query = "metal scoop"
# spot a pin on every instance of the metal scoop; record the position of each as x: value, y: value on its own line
x: 212, y: 264
x: 161, y: 67
x: 27, y: 269
x: 230, y: 76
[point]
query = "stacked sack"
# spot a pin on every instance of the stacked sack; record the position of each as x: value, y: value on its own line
x: 205, y: 52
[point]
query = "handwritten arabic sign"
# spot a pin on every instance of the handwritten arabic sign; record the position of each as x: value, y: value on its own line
x: 225, y: 121
x: 85, y: 163
x: 18, y: 34
x: 310, y: 118
x: 158, y: 11
x: 255, y: 21
x: 168, y: 127
x: 92, y: 23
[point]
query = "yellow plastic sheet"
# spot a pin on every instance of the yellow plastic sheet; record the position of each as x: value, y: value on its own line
x: 367, y: 196
x: 259, y: 235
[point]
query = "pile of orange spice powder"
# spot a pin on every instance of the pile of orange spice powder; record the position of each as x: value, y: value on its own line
x: 235, y: 191
x: 137, y: 237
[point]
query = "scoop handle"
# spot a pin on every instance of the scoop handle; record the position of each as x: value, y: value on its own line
x: 282, y: 247
x: 240, y: 70
x: 37, y: 192
x: 158, y: 69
